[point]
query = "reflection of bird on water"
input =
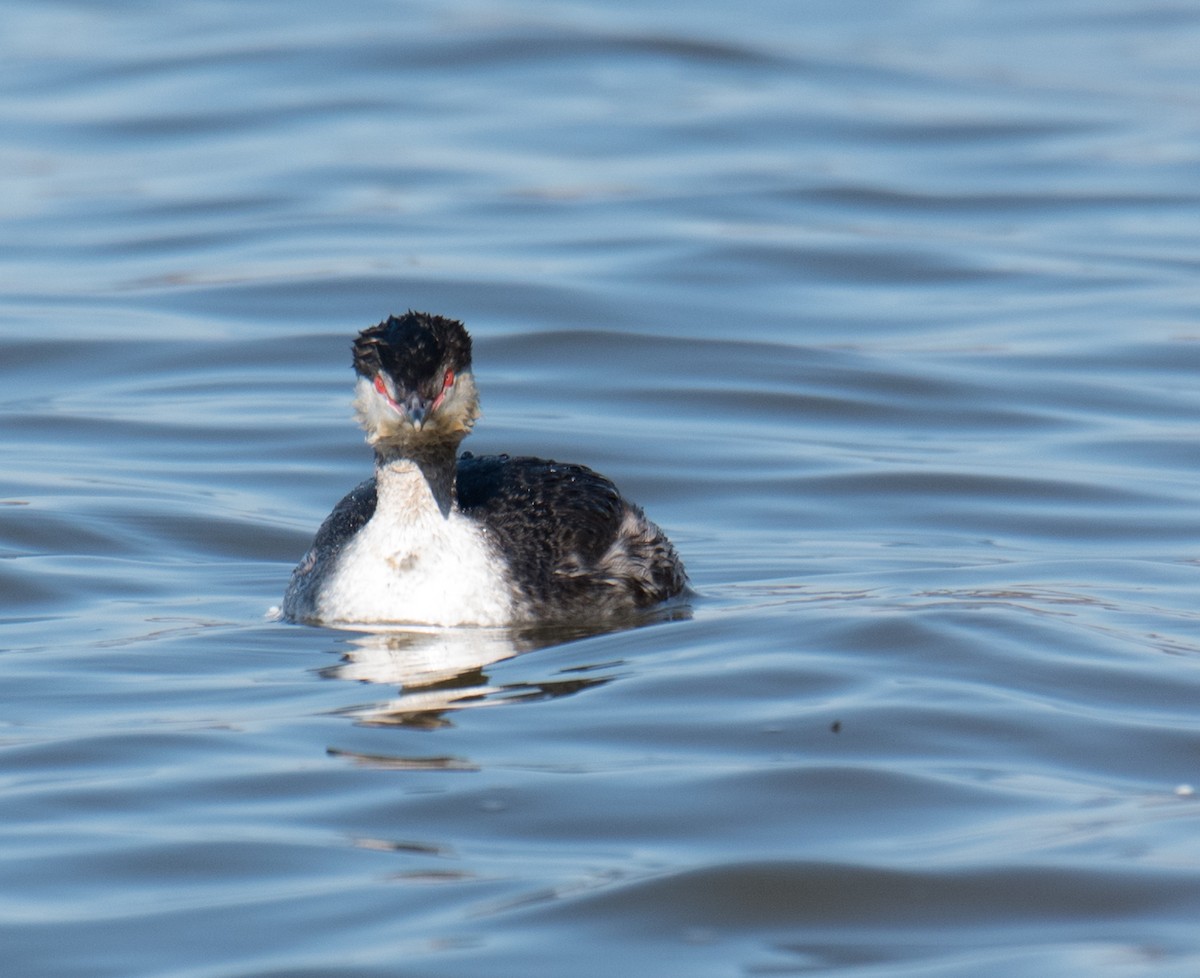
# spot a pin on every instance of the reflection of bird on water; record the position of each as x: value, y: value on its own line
x: 442, y: 670
x: 435, y: 539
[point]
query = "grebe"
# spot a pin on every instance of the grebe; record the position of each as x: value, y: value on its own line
x: 435, y: 539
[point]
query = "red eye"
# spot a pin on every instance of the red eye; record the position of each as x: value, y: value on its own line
x: 447, y: 383
x: 379, y: 385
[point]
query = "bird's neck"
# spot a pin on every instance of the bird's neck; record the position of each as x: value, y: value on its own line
x: 410, y: 472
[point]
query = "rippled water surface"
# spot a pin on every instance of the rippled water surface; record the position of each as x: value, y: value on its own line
x: 889, y: 313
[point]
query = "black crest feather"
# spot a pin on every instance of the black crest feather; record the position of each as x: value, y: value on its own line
x: 414, y: 349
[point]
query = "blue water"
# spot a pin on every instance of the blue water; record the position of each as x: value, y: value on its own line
x: 888, y: 313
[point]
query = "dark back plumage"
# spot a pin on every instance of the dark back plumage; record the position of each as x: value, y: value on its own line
x: 562, y: 529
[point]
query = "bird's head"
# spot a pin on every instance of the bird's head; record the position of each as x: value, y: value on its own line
x: 414, y: 381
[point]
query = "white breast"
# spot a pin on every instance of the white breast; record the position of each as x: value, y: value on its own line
x: 412, y: 564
